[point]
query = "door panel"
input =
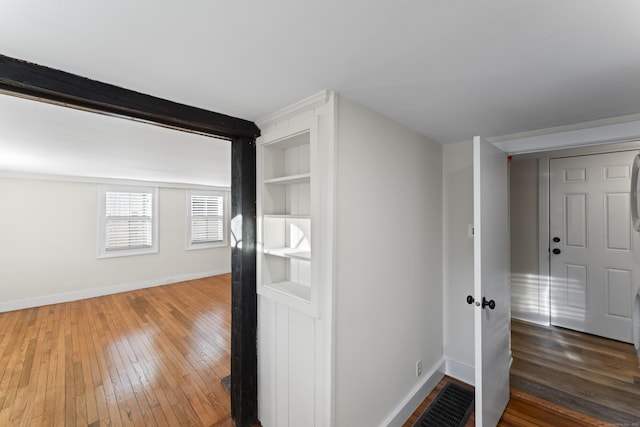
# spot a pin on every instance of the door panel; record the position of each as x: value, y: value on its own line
x: 576, y: 286
x: 616, y: 222
x: 619, y: 286
x: 491, y: 281
x: 575, y: 219
x: 575, y: 175
x: 594, y: 267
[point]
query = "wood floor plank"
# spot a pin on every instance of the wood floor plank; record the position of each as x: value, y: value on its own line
x: 22, y: 402
x: 148, y: 357
x: 35, y: 385
x: 607, y: 367
x: 609, y: 377
x: 588, y: 374
x: 15, y: 374
x: 595, y: 410
x: 154, y: 379
x: 39, y: 388
x: 84, y: 365
x: 566, y: 378
x: 522, y: 410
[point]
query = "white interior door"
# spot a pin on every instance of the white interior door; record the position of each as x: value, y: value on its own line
x: 491, y: 282
x: 593, y: 248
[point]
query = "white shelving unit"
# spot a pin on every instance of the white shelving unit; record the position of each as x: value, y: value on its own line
x: 295, y: 169
x: 286, y: 194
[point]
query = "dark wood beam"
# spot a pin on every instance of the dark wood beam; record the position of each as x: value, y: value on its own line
x: 59, y: 87
x: 244, y: 303
x: 28, y: 80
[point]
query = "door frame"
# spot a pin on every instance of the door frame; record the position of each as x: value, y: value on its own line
x: 544, y: 158
x: 587, y: 322
x: 39, y: 83
x: 593, y: 137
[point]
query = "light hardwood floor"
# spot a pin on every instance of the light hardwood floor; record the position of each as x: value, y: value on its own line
x: 148, y: 357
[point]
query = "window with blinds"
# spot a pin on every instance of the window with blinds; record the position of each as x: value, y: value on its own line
x: 127, y: 221
x: 206, y: 219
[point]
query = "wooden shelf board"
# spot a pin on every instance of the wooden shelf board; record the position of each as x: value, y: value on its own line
x: 286, y: 216
x: 303, y: 255
x: 290, y: 179
x: 290, y: 141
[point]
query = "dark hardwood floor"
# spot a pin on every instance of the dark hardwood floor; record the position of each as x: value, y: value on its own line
x: 564, y: 378
x: 588, y: 374
x: 149, y: 357
x: 523, y: 410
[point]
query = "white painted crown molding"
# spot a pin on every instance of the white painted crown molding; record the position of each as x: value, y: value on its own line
x: 617, y: 132
x: 308, y: 103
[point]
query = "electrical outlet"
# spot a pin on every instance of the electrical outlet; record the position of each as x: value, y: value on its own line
x: 418, y: 368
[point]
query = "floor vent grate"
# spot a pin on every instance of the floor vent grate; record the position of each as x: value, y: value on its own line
x: 451, y: 407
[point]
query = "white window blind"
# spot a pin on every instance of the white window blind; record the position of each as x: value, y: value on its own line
x: 207, y: 218
x: 128, y: 220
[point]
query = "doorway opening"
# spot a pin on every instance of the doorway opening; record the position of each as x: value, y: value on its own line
x: 27, y: 80
x: 567, y: 366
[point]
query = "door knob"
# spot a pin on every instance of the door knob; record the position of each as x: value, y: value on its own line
x: 556, y: 251
x: 556, y: 239
x: 491, y: 303
x: 470, y: 299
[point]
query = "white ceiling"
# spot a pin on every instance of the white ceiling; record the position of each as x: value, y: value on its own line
x: 40, y: 138
x: 449, y: 69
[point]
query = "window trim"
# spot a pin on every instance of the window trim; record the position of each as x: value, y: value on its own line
x: 102, y: 252
x: 189, y: 245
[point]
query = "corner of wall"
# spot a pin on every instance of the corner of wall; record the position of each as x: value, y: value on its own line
x: 416, y: 396
x: 457, y: 249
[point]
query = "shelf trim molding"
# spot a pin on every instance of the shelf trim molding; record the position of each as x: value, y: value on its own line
x: 280, y: 288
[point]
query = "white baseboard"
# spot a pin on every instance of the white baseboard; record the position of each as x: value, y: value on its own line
x: 411, y: 402
x: 107, y: 290
x: 538, y: 320
x: 460, y: 371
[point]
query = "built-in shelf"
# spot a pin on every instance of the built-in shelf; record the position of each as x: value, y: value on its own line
x: 290, y: 179
x: 289, y: 253
x: 286, y: 165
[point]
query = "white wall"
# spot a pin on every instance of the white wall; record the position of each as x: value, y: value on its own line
x: 388, y: 302
x: 48, y: 238
x: 528, y: 301
x: 458, y: 259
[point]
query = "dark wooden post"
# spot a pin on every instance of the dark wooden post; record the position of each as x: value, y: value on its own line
x: 244, y: 303
x: 34, y: 81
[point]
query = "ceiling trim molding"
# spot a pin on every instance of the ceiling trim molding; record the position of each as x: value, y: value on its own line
x: 8, y: 174
x: 37, y: 82
x: 619, y: 132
